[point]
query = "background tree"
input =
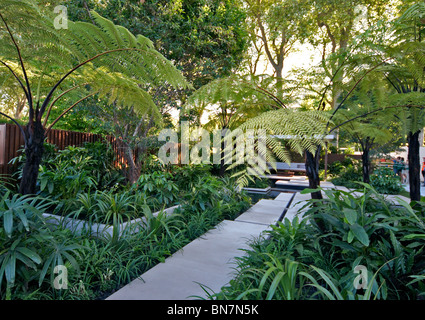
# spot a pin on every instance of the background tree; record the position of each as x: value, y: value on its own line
x: 334, y: 24
x: 231, y: 101
x: 275, y: 28
x: 135, y: 139
x: 206, y: 39
x: 103, y: 59
x: 370, y: 131
x: 406, y: 74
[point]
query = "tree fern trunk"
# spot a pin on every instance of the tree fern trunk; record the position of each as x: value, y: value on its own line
x: 222, y: 154
x: 133, y: 171
x: 312, y: 171
x: 34, y: 152
x: 414, y: 166
x: 366, y: 163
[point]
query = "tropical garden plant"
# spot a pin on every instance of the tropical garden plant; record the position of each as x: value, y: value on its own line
x: 127, y: 80
x: 317, y: 257
x: 95, y: 64
x: 31, y: 247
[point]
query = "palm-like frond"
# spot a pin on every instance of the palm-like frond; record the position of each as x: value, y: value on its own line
x: 301, y: 130
x: 237, y: 97
x: 134, y: 55
x: 103, y: 58
x: 406, y: 71
x: 304, y: 129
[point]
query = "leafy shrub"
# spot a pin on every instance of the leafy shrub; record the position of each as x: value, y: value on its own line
x: 346, y: 173
x: 186, y: 177
x: 64, y: 181
x: 204, y: 194
x: 337, y: 167
x: 315, y: 258
x: 106, y: 206
x: 7, y: 184
x: 158, y: 185
x: 29, y: 250
x: 385, y: 181
x: 219, y: 196
x: 65, y: 173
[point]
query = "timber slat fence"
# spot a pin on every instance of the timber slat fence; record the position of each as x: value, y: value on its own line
x: 11, y: 141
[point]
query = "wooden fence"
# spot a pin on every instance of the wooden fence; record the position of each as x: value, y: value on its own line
x: 11, y: 141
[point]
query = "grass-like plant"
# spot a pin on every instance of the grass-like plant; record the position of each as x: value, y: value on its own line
x: 316, y: 257
x: 29, y: 249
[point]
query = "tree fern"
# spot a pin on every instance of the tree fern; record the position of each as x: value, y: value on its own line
x: 100, y: 59
x: 301, y: 130
x: 262, y: 111
x: 406, y: 74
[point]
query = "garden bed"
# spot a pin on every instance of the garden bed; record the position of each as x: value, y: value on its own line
x: 105, y: 231
x: 79, y: 226
x: 318, y: 257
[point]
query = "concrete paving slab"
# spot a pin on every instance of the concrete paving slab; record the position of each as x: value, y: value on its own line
x: 326, y: 185
x: 300, y: 178
x: 263, y: 212
x: 208, y: 260
x: 300, y: 197
x: 292, y: 183
x: 284, y: 196
x: 295, y: 208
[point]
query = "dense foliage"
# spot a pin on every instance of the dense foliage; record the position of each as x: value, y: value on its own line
x: 81, y: 182
x: 316, y: 257
x: 348, y: 173
x: 214, y: 32
x: 123, y: 66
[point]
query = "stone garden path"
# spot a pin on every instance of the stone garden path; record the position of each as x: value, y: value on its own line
x: 209, y: 261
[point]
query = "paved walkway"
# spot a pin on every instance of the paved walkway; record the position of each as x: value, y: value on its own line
x: 208, y: 260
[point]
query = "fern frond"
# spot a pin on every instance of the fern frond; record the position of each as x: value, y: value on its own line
x: 301, y: 130
x: 120, y: 67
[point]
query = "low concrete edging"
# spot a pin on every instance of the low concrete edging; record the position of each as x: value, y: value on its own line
x: 257, y: 190
x: 100, y: 229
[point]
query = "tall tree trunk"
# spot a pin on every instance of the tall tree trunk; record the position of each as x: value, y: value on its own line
x: 366, y: 166
x: 312, y: 171
x: 133, y: 171
x: 222, y: 164
x: 222, y: 152
x: 34, y: 149
x: 279, y: 78
x: 414, y: 166
x: 366, y: 162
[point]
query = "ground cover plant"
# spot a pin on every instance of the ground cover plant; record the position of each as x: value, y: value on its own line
x: 122, y: 79
x: 31, y: 247
x: 348, y: 173
x: 317, y: 257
